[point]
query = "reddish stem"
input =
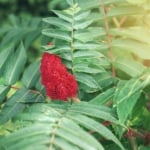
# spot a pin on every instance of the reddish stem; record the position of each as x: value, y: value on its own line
x: 109, y: 41
x: 33, y: 91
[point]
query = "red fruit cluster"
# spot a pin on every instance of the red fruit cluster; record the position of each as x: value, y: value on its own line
x: 58, y: 82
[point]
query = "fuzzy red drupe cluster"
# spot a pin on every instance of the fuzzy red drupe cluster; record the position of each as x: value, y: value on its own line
x: 58, y: 82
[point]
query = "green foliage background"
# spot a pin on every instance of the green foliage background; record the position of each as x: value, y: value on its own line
x: 105, y: 44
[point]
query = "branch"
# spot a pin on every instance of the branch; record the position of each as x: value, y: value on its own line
x: 33, y: 91
x: 109, y: 41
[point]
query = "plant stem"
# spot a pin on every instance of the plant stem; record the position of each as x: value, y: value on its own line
x: 132, y: 135
x: 133, y: 144
x: 123, y: 19
x: 72, y: 40
x: 55, y: 129
x: 52, y: 140
x: 33, y: 91
x: 109, y: 41
x: 75, y: 99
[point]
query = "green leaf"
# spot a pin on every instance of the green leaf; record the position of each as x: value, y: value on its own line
x: 75, y: 139
x: 146, y: 79
x: 129, y: 66
x: 22, y: 144
x: 4, y: 55
x: 31, y: 36
x: 16, y: 103
x: 40, y: 87
x: 89, y: 109
x: 126, y: 96
x: 12, y: 106
x: 20, y: 29
x: 90, y: 46
x: 15, y: 65
x: 57, y: 50
x: 82, y: 24
x: 105, y: 79
x: 25, y: 133
x: 103, y: 97
x: 98, y: 62
x: 86, y: 69
x: 74, y: 9
x: 63, y: 15
x: 96, y: 126
x: 144, y: 148
x: 87, y: 4
x: 58, y: 34
x: 31, y: 75
x: 70, y: 2
x: 66, y: 56
x: 58, y: 22
x: 113, y: 147
x: 87, y: 80
x: 125, y: 10
x: 53, y: 125
x: 90, y: 34
x: 3, y: 91
x: 139, y: 2
x: 87, y: 54
x: 70, y: 127
x: 63, y: 144
x: 88, y: 65
x: 93, y: 110
x: 15, y: 32
x: 140, y: 49
x: 4, y: 29
x: 136, y: 33
x: 79, y: 16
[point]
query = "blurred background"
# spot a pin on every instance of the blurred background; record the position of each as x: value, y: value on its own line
x: 38, y: 8
x: 21, y: 21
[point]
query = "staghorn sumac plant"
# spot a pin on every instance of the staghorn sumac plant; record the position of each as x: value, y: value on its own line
x: 93, y: 50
